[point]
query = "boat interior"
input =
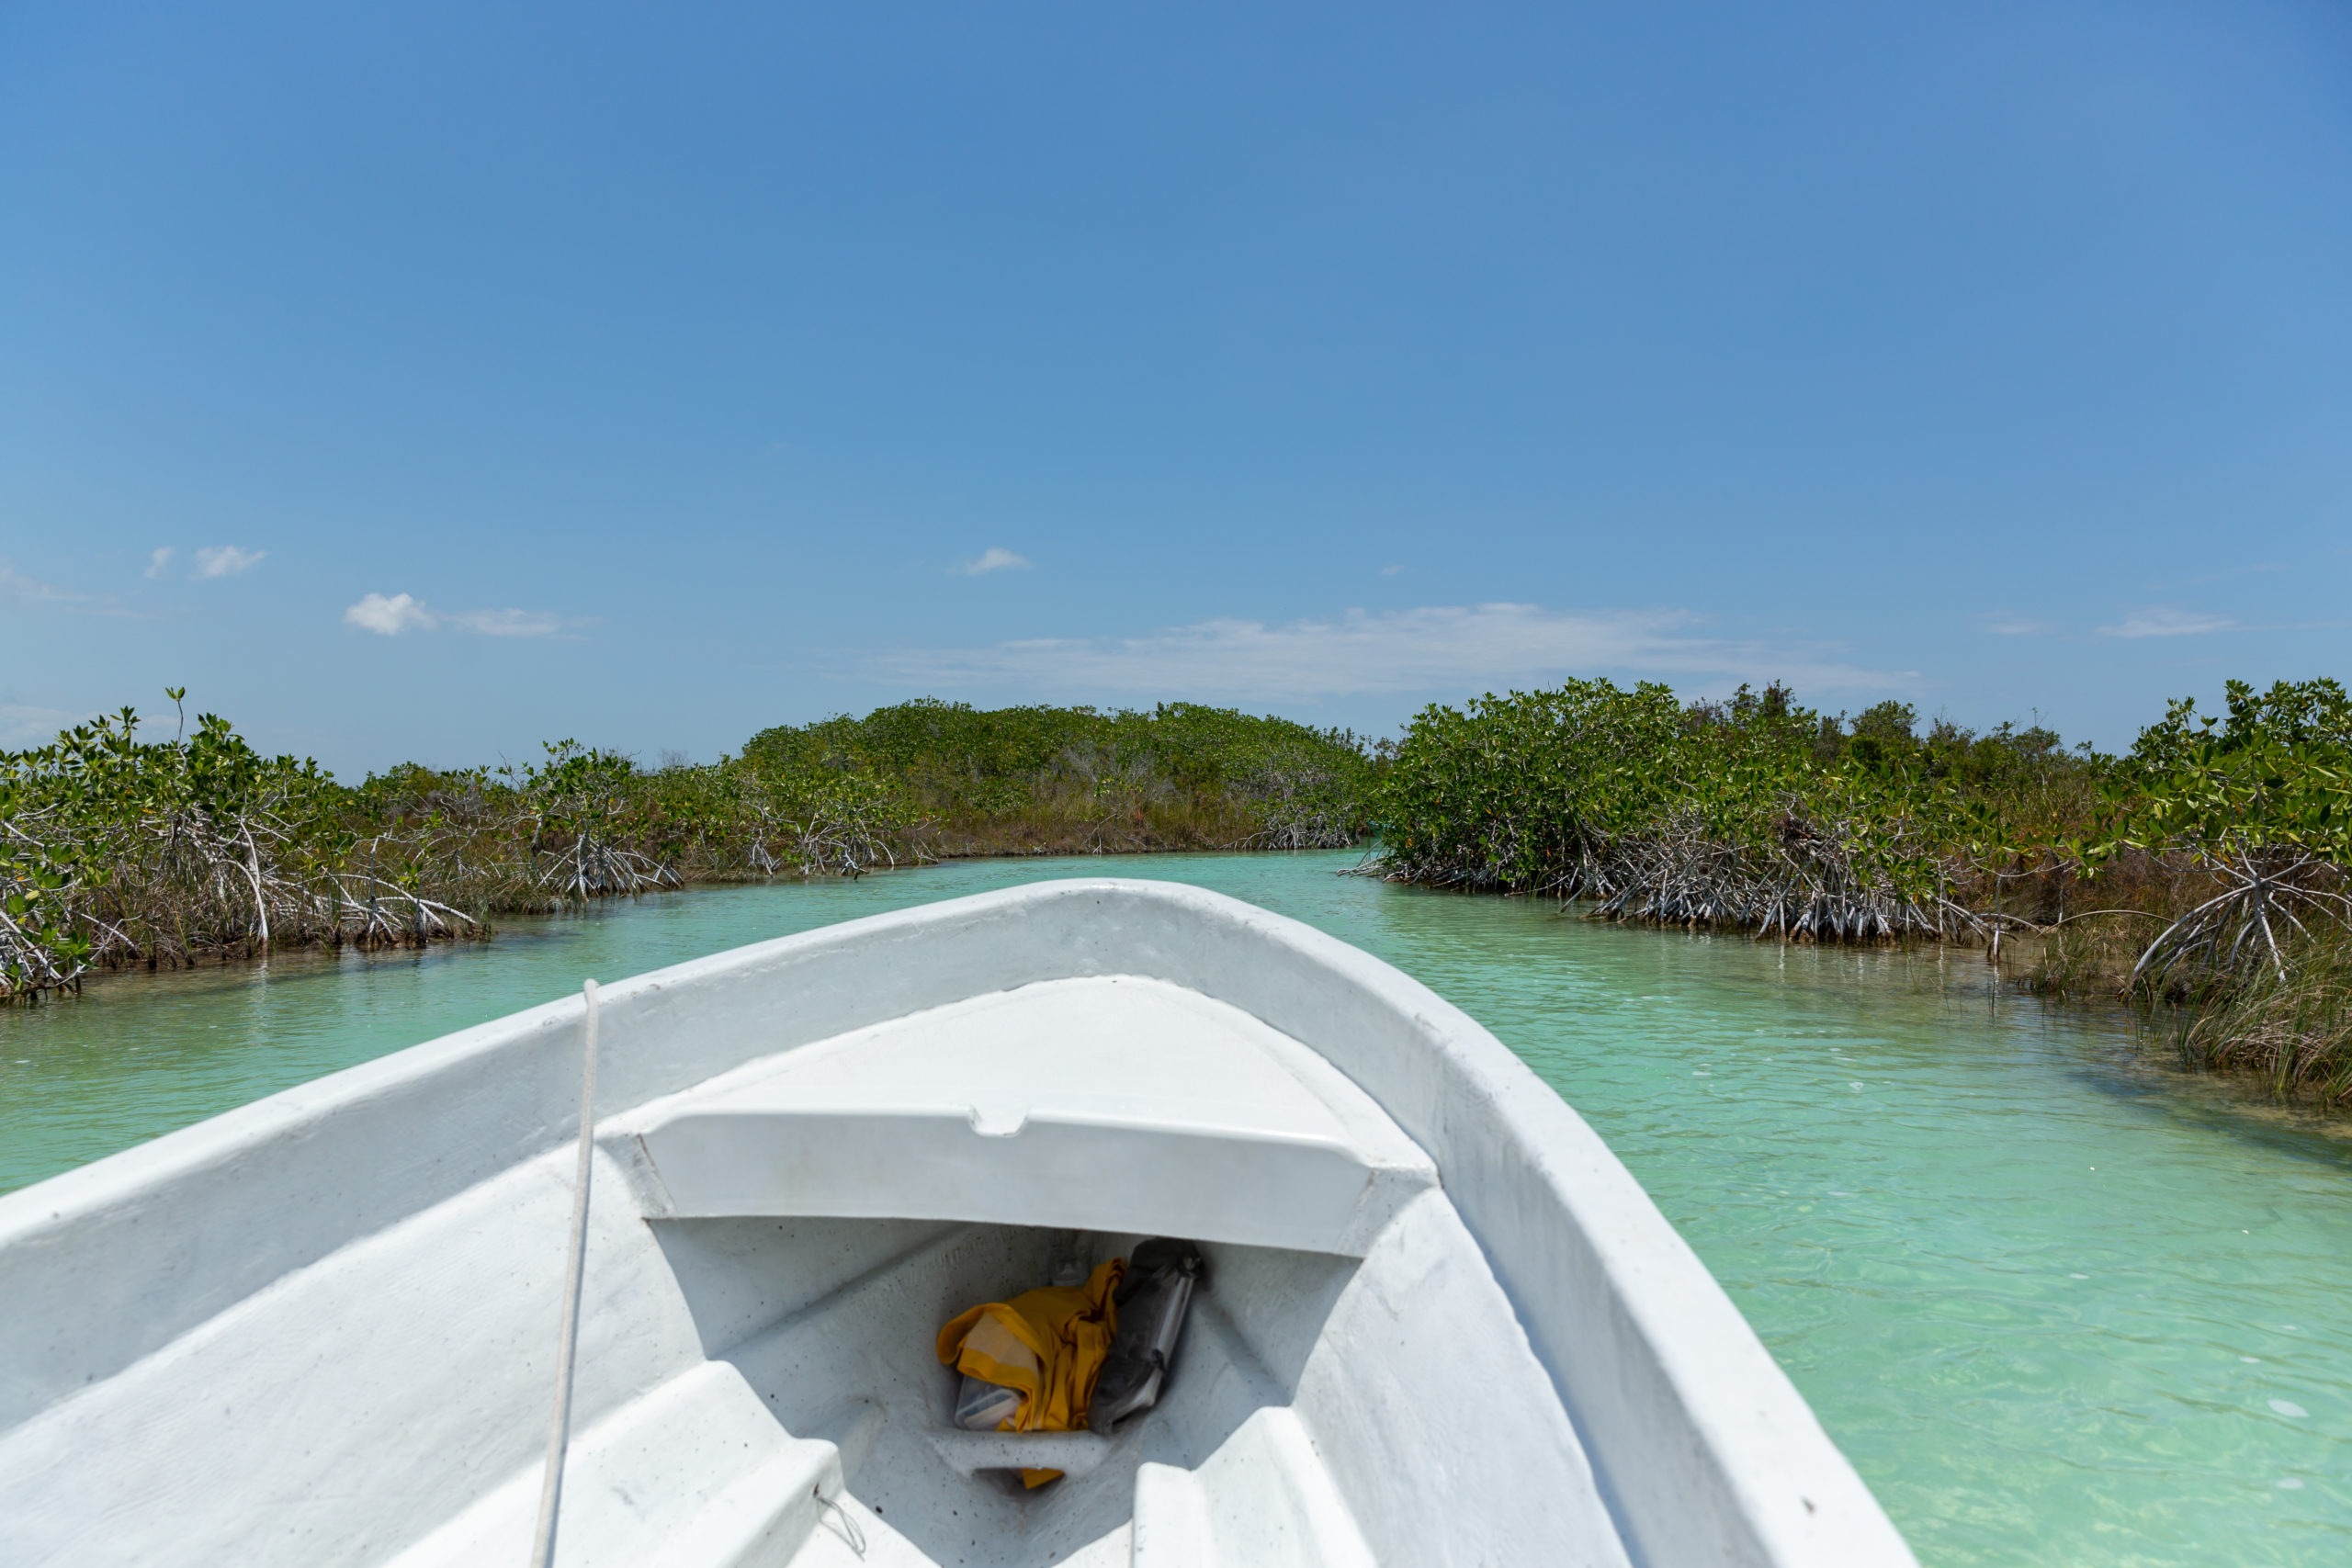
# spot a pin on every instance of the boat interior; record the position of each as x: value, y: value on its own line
x: 1436, y: 1322
x: 819, y: 1337
x: 1351, y: 1377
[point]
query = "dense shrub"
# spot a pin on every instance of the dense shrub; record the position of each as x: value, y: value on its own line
x: 1062, y: 780
x: 2207, y: 867
x: 116, y: 849
x: 1752, y: 812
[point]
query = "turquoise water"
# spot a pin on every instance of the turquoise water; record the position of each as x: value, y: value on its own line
x: 2057, y: 1307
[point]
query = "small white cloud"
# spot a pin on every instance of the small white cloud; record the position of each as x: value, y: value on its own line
x: 1391, y: 569
x: 2160, y: 621
x: 226, y: 560
x: 390, y: 617
x: 2000, y: 623
x: 507, y: 623
x: 22, y: 724
x: 157, y: 562
x: 1428, y: 648
x: 16, y: 584
x: 994, y: 558
x: 23, y: 587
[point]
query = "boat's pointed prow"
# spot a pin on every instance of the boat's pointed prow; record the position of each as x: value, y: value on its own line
x: 1442, y: 1325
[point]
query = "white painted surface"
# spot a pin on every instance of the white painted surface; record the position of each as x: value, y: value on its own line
x: 695, y: 1475
x: 1074, y: 1454
x: 1112, y: 1104
x: 317, y: 1330
x: 1171, y: 1527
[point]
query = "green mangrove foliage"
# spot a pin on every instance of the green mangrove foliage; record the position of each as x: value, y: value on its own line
x: 1752, y: 813
x: 2251, y: 812
x: 579, y: 807
x: 1049, y: 780
x: 124, y: 849
x: 2207, y: 867
x: 116, y: 849
x: 2258, y: 810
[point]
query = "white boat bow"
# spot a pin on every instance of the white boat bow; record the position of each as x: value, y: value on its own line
x: 1443, y: 1323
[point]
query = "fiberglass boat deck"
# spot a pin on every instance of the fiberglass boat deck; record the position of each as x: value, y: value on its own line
x: 1444, y: 1324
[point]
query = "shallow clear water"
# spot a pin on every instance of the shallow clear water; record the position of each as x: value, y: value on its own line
x: 2056, y: 1307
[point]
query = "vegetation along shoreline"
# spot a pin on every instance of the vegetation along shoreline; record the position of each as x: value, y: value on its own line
x: 2201, y: 875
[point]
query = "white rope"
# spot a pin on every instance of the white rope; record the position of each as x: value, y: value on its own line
x: 559, y: 1428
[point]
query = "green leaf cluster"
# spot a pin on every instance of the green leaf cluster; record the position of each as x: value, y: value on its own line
x: 1749, y: 811
x: 1249, y: 779
x: 2272, y: 774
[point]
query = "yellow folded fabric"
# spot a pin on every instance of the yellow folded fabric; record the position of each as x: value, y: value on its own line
x: 1046, y: 1345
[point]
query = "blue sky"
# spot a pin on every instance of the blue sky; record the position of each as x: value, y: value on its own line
x: 432, y: 381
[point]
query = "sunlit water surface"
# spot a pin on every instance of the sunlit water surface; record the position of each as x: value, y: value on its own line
x: 2058, y: 1307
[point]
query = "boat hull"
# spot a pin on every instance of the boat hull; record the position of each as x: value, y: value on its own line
x: 196, y: 1363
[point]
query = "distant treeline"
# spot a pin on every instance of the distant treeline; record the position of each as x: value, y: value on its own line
x: 2205, y: 867
x: 118, y: 849
x: 1079, y: 780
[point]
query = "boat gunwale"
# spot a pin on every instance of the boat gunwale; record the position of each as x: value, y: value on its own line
x: 1625, y: 1318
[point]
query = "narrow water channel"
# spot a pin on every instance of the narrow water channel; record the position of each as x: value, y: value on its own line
x: 2057, y: 1307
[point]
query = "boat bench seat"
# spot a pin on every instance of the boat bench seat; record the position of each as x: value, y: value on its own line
x: 694, y: 1474
x: 1113, y: 1104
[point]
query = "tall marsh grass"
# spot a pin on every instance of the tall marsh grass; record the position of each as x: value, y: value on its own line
x: 2290, y: 1027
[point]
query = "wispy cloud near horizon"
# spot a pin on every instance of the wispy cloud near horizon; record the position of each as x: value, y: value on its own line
x: 396, y: 614
x: 1426, y: 650
x: 994, y: 558
x: 2001, y: 623
x: 506, y: 623
x: 17, y: 584
x: 225, y: 560
x: 2164, y: 621
x: 24, y: 724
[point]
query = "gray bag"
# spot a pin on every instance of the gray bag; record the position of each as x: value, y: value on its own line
x: 1160, y: 1279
